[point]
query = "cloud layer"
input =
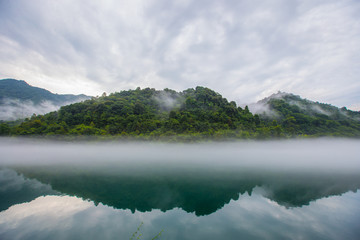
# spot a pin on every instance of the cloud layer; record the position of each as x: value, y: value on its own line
x: 245, y: 50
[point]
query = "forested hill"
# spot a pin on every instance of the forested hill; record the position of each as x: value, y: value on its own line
x: 190, y: 114
x: 281, y: 104
x: 301, y: 116
x: 146, y: 112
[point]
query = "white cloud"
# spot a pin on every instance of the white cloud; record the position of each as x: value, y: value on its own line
x: 245, y: 50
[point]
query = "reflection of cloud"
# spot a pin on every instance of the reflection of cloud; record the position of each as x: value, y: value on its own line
x: 255, y: 217
x: 52, y: 207
x: 14, y: 188
x: 11, y: 181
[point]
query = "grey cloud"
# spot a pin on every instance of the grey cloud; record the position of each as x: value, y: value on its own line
x: 246, y: 50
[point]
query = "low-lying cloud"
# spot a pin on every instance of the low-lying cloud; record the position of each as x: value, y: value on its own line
x: 168, y: 100
x: 13, y: 109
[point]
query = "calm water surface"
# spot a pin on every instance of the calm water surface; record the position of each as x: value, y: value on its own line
x: 247, y: 190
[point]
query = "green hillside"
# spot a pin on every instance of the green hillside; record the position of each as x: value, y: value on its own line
x: 146, y: 112
x: 191, y: 114
x: 299, y: 116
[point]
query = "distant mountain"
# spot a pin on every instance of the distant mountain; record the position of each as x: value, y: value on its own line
x: 19, y: 100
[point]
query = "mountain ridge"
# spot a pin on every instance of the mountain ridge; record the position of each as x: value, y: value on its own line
x: 12, y: 88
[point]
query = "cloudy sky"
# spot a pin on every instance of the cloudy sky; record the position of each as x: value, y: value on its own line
x: 243, y: 49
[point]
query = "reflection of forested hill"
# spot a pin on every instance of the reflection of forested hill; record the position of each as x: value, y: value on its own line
x: 201, y: 192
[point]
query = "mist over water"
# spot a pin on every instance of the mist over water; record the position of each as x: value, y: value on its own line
x: 313, y: 154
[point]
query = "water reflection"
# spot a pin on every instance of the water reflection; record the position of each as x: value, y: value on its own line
x: 249, y: 217
x: 15, y: 188
x: 202, y: 191
x: 281, y: 190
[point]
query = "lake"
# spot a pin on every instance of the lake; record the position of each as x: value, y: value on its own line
x: 294, y: 189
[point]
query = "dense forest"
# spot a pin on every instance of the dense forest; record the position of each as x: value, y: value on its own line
x: 188, y: 115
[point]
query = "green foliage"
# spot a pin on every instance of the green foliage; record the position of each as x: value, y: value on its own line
x: 4, y: 129
x: 144, y: 112
x: 301, y: 117
x: 137, y: 235
x: 189, y: 115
